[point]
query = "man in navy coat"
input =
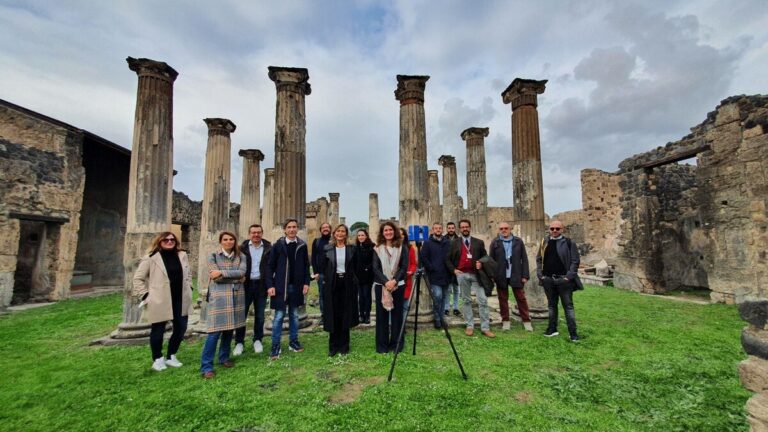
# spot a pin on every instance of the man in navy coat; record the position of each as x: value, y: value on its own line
x: 287, y: 280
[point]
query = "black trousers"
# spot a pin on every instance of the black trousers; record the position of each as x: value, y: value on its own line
x: 158, y: 330
x: 388, y: 323
x: 564, y: 293
x: 364, y: 301
x: 255, y: 294
x: 338, y: 341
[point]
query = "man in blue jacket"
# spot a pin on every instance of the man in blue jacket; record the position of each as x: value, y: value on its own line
x: 288, y: 282
x: 557, y: 266
x: 433, y: 254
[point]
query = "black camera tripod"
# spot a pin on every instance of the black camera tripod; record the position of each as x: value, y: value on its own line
x: 419, y: 273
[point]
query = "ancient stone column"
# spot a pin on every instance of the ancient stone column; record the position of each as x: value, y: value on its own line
x: 528, y: 189
x: 373, y: 215
x: 343, y: 220
x: 435, y: 212
x: 250, y: 197
x: 527, y: 184
x: 451, y: 203
x: 290, y: 145
x: 150, y: 183
x: 322, y: 212
x: 268, y: 211
x: 215, y: 208
x: 413, y: 191
x: 333, y: 210
x: 477, y: 186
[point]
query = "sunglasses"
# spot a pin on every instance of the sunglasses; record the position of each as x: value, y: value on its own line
x: 555, y: 229
x: 169, y: 240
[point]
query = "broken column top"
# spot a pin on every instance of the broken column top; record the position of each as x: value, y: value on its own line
x: 410, y: 88
x: 269, y: 171
x: 446, y: 160
x: 523, y: 92
x: 432, y: 173
x: 220, y: 124
x: 474, y: 132
x: 251, y: 154
x: 143, y: 67
x: 292, y: 79
x: 334, y: 196
x: 373, y: 195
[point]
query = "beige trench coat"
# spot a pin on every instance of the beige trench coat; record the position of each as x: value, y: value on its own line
x: 152, y: 277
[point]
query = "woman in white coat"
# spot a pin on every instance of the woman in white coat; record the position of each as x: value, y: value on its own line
x: 163, y: 283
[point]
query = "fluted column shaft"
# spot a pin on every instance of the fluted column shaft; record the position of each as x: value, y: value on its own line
x: 477, y: 185
x: 451, y: 202
x: 150, y: 183
x: 268, y: 211
x: 373, y: 215
x: 412, y: 174
x: 435, y: 213
x: 526, y: 157
x: 290, y: 145
x: 333, y: 210
x: 250, y: 196
x: 322, y: 212
x: 215, y: 208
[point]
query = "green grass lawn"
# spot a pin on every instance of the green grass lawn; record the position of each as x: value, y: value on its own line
x: 644, y: 364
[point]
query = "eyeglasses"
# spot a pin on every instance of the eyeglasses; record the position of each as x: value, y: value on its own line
x: 169, y: 240
x: 504, y: 228
x: 555, y: 229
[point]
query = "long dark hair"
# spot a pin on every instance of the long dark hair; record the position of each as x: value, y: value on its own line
x: 367, y: 242
x: 396, y: 240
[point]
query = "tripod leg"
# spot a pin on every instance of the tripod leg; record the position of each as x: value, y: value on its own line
x: 450, y: 341
x: 399, y: 342
x: 416, y: 316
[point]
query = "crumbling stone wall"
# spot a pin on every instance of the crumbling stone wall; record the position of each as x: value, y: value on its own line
x: 689, y: 226
x: 41, y: 178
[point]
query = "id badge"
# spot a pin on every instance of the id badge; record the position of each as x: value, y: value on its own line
x: 469, y: 255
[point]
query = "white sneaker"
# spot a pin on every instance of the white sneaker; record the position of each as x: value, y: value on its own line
x: 173, y: 362
x: 528, y: 326
x: 238, y: 350
x: 505, y: 325
x: 159, y: 364
x: 258, y: 348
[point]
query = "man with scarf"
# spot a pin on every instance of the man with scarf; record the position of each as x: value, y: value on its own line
x: 509, y: 254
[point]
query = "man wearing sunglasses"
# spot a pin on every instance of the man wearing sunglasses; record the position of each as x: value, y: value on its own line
x: 557, y: 265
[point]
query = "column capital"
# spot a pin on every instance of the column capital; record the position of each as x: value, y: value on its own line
x: 147, y: 67
x: 432, y: 173
x: 252, y: 154
x: 446, y: 161
x: 269, y: 172
x: 219, y: 125
x: 290, y: 79
x: 410, y: 88
x: 523, y: 92
x: 474, y: 132
x: 373, y: 195
x: 334, y: 196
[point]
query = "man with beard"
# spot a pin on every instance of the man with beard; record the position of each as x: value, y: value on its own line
x: 433, y: 254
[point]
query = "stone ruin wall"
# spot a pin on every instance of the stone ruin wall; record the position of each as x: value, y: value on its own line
x: 41, y: 176
x: 702, y: 226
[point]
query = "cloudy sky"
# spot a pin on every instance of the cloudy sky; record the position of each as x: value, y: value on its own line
x: 624, y: 77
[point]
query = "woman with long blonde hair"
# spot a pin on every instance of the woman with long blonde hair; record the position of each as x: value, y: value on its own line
x: 163, y: 283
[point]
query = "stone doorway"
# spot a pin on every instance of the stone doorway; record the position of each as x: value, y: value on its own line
x: 36, y: 253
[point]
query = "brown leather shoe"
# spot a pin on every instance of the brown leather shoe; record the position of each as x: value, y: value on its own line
x: 469, y: 331
x: 209, y: 375
x: 488, y: 333
x: 228, y: 364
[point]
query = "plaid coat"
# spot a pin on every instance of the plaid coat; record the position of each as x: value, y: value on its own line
x: 226, y: 296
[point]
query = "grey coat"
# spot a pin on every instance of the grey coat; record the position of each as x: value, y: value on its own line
x: 569, y: 256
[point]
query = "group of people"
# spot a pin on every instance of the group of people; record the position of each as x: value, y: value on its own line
x: 346, y: 273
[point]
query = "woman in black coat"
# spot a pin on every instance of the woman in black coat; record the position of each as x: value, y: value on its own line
x: 390, y: 264
x: 364, y: 273
x: 340, y: 294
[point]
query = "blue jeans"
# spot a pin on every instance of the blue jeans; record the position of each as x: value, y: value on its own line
x: 438, y: 291
x: 320, y: 291
x: 209, y: 349
x: 293, y: 322
x: 452, y: 288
